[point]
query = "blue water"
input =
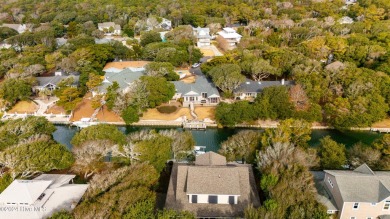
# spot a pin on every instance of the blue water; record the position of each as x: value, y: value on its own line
x: 212, y: 138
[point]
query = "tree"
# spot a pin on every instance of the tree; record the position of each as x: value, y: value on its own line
x: 130, y: 115
x: 227, y: 77
x: 6, y: 32
x: 161, y: 69
x: 182, y: 142
x: 332, y: 154
x: 111, y: 95
x: 168, y: 214
x: 13, y: 90
x: 261, y: 69
x: 68, y: 96
x: 37, y: 155
x: 273, y: 102
x: 150, y: 37
x: 155, y: 151
x: 94, y: 81
x: 360, y: 153
x: 99, y: 132
x: 241, y: 146
x: 19, y: 130
x: 61, y: 215
x: 159, y: 90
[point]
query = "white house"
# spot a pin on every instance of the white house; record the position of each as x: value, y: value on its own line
x: 229, y: 37
x: 110, y: 28
x: 202, y: 36
x: 202, y: 92
x: 349, y: 2
x: 40, y: 197
x: 212, y: 187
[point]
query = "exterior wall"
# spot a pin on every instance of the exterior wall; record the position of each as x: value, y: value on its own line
x: 204, y: 199
x: 364, y: 211
x: 198, y: 100
x: 335, y: 190
x: 203, y: 42
x: 242, y: 96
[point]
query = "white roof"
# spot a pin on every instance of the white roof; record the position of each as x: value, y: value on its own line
x: 229, y: 33
x: 24, y: 191
x: 57, y: 179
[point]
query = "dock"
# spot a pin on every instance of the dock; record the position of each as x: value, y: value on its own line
x: 194, y: 125
x: 380, y: 130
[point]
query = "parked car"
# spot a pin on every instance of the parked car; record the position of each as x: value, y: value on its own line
x: 196, y: 65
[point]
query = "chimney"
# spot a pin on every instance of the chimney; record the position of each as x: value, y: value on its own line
x: 283, y: 81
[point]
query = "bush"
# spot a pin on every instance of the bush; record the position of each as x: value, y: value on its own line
x: 167, y: 109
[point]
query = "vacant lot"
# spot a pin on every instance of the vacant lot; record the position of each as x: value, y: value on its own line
x: 154, y: 114
x: 56, y: 110
x: 382, y: 124
x: 24, y: 107
x: 207, y: 52
x: 85, y: 110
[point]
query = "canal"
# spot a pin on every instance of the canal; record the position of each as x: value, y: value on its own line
x: 212, y: 138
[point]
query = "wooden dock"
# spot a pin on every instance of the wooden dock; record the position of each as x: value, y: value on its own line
x: 380, y: 130
x: 195, y: 125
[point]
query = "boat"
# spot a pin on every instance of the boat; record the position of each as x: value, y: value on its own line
x: 199, y: 150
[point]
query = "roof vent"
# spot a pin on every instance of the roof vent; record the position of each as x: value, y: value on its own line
x: 259, y: 82
x: 248, y: 82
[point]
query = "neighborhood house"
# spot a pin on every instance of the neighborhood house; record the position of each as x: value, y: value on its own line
x: 41, y: 197
x: 361, y: 193
x: 201, y: 92
x: 110, y: 28
x: 124, y: 73
x: 250, y: 88
x: 202, y: 36
x: 228, y: 38
x: 21, y: 28
x: 212, y: 187
x: 51, y: 82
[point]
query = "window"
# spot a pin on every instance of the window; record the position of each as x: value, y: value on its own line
x: 192, y: 98
x: 330, y: 182
x: 369, y: 218
x: 231, y: 200
x: 373, y: 204
x: 204, y: 95
x: 194, y: 199
x: 353, y: 217
x: 356, y: 205
x: 387, y: 205
x: 213, y: 199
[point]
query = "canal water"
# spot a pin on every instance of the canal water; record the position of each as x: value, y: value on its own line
x: 212, y: 138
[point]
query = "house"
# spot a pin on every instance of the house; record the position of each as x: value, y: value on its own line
x: 21, y: 28
x: 110, y: 28
x: 228, y: 38
x: 350, y: 2
x: 202, y: 36
x: 202, y: 91
x: 124, y: 73
x: 158, y: 23
x: 51, y: 82
x: 212, y: 187
x: 361, y: 193
x: 40, y: 197
x: 249, y: 89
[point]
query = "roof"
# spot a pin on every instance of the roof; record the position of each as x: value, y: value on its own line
x: 229, y: 33
x: 59, y: 195
x: 362, y: 184
x: 252, y: 86
x: 202, y: 33
x: 125, y: 64
x: 57, y: 179
x: 230, y: 179
x: 108, y: 25
x: 210, y: 159
x: 201, y: 85
x: 43, y: 81
x: 24, y: 191
x: 215, y: 181
x: 323, y: 194
x: 124, y: 79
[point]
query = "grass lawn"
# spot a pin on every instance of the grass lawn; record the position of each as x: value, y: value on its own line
x: 24, y: 107
x: 205, y: 112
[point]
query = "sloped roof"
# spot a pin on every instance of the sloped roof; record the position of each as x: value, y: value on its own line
x: 229, y: 33
x: 108, y: 25
x: 43, y: 81
x: 57, y: 179
x: 209, y: 159
x: 257, y: 86
x: 124, y: 79
x: 201, y: 85
x: 362, y: 184
x: 24, y: 191
x: 125, y: 64
x: 215, y: 181
x: 203, y: 33
x: 323, y: 194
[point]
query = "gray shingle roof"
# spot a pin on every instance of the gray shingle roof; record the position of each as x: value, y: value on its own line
x: 323, y: 194
x: 43, y: 81
x: 201, y: 85
x: 362, y: 184
x: 252, y: 86
x: 124, y: 79
x: 210, y: 158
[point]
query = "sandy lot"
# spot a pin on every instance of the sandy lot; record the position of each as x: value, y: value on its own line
x: 24, y: 107
x: 382, y: 124
x: 207, y: 52
x: 205, y: 112
x: 56, y: 110
x: 202, y: 112
x: 85, y: 110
